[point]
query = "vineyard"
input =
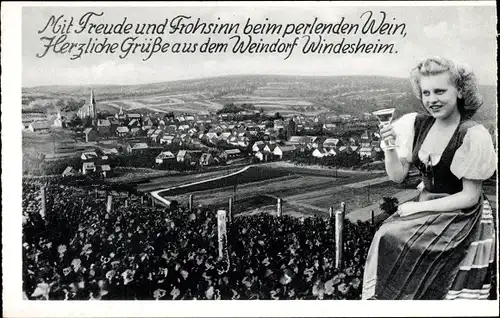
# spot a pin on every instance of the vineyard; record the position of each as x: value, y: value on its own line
x: 79, y: 250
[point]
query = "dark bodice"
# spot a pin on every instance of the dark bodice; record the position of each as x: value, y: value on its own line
x: 438, y: 178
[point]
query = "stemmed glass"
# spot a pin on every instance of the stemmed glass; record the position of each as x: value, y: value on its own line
x: 385, y: 118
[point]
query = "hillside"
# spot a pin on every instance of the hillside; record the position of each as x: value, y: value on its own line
x: 301, y: 94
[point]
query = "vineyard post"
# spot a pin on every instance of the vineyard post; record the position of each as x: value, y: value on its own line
x: 339, y: 244
x: 342, y: 208
x: 230, y: 212
x: 43, y: 209
x: 190, y: 203
x: 279, y: 207
x: 373, y: 218
x: 330, y: 212
x: 126, y: 203
x: 142, y: 199
x: 110, y: 201
x: 222, y: 234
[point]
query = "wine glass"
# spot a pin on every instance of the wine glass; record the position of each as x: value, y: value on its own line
x: 385, y: 118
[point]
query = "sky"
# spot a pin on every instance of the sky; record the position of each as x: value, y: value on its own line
x: 463, y: 33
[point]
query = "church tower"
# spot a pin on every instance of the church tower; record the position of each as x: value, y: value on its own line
x: 93, y: 109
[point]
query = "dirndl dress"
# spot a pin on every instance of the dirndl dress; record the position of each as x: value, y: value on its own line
x: 437, y: 255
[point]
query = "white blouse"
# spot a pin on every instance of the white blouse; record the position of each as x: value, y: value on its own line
x: 475, y: 159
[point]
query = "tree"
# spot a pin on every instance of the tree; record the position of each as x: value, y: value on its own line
x: 277, y: 115
x: 389, y: 205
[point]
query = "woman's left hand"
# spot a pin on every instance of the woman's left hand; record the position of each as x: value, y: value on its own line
x: 409, y: 208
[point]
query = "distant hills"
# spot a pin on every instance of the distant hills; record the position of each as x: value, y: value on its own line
x: 338, y: 94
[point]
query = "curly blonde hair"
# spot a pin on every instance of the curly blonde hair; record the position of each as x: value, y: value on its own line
x: 462, y: 77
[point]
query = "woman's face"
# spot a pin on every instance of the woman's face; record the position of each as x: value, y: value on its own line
x: 439, y: 95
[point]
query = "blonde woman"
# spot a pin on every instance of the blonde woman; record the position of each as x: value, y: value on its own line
x: 440, y: 246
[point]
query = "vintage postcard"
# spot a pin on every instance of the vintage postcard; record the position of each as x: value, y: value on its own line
x: 249, y: 159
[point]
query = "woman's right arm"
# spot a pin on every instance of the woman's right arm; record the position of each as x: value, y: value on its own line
x: 396, y: 168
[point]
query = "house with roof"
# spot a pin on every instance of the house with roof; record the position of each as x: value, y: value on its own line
x: 243, y: 141
x: 258, y: 146
x: 270, y: 147
x: 345, y: 117
x: 114, y: 123
x: 165, y: 156
x: 345, y: 149
x: 110, y: 151
x: 183, y: 156
x: 368, y: 152
x: 233, y: 140
x: 316, y: 142
x: 284, y: 151
x: 167, y: 139
x: 320, y: 153
x: 329, y: 128
x: 279, y: 124
x: 58, y: 121
x: 69, y: 171
x: 155, y: 138
x: 298, y: 140
x: 134, y: 123
x: 135, y: 116
x: 103, y: 127
x: 122, y: 131
x: 261, y: 155
x: 148, y: 122
x: 231, y: 154
x: 311, y: 129
x: 354, y: 140
x: 332, y: 143
x: 103, y: 170
x: 131, y: 148
x: 211, y: 137
x: 150, y: 132
x: 39, y: 126
x: 89, y: 155
x: 332, y: 152
x: 90, y: 134
x: 207, y: 159
x: 365, y: 137
x: 88, y: 168
x: 225, y: 135
x: 136, y: 131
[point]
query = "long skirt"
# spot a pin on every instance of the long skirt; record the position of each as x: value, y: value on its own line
x: 432, y: 255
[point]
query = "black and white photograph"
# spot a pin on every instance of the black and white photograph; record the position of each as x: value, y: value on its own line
x: 249, y: 159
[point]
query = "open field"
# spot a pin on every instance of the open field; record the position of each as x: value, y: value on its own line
x: 178, y: 103
x: 247, y: 175
x: 303, y: 190
x: 56, y: 142
x: 199, y: 102
x: 60, y: 142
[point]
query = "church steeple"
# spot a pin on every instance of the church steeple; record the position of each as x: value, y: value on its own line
x: 93, y: 109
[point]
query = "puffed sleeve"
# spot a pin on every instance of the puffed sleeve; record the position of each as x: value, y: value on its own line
x: 404, y: 130
x: 476, y: 158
